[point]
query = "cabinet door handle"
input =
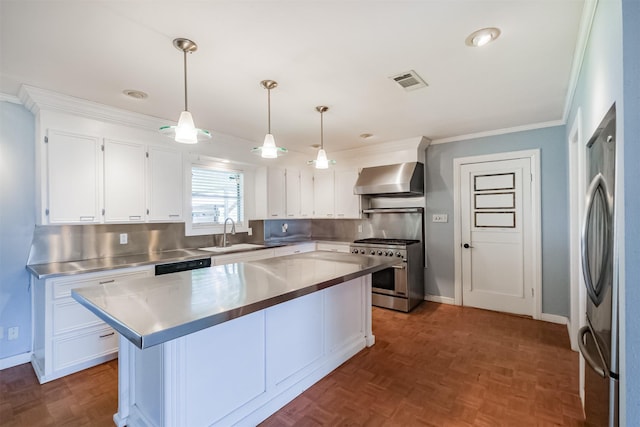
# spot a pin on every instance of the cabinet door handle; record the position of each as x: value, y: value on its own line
x: 107, y: 281
x: 87, y: 218
x: 107, y: 335
x: 174, y: 215
x: 134, y: 217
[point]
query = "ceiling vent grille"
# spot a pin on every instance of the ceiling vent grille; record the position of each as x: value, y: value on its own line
x: 409, y: 80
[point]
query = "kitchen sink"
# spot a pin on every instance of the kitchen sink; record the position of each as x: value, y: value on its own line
x: 239, y: 247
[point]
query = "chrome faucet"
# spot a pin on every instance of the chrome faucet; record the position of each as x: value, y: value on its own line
x: 224, y: 231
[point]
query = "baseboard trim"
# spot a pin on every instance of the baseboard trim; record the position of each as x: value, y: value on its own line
x: 19, y: 359
x: 554, y: 318
x: 440, y: 299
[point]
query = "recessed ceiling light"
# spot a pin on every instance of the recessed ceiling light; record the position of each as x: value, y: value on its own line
x: 482, y: 37
x: 366, y: 135
x: 135, y: 94
x: 315, y: 146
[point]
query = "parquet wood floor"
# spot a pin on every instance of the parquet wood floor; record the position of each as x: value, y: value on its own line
x: 440, y: 365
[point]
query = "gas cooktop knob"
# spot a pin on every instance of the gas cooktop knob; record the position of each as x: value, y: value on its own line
x: 372, y: 252
x: 379, y: 252
x: 390, y: 253
x: 398, y: 254
x: 362, y: 251
x: 354, y: 251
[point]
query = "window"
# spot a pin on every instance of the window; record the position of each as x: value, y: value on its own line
x: 216, y: 194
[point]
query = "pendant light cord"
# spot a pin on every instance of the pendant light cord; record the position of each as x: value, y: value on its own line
x: 268, y: 110
x: 321, y: 130
x: 185, y: 82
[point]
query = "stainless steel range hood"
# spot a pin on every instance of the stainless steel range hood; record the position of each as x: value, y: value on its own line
x: 399, y: 180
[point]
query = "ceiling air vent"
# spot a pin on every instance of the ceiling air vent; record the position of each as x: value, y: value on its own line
x: 409, y: 80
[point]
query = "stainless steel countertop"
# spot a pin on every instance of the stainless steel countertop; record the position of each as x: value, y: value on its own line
x: 153, y: 310
x: 54, y: 269
x: 44, y: 271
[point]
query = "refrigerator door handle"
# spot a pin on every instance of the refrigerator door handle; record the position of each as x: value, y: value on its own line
x: 588, y: 356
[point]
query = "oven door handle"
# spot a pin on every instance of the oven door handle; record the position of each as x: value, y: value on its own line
x: 399, y: 266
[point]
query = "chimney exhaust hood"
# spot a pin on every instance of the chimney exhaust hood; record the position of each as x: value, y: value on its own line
x: 399, y: 180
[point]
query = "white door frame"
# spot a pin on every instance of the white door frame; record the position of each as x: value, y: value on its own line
x: 536, y: 246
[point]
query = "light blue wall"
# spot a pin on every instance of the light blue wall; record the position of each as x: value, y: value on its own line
x: 17, y: 221
x: 555, y: 237
x: 631, y: 70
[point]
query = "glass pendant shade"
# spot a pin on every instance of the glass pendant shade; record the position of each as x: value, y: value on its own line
x: 321, y: 161
x: 269, y: 149
x: 186, y: 131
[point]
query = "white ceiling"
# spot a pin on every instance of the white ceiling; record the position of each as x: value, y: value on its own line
x: 335, y: 53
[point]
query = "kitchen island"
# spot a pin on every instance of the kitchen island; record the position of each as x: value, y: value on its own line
x: 230, y: 345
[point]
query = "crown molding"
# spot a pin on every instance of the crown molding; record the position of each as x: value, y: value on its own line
x: 9, y: 98
x: 496, y: 132
x: 37, y: 99
x: 386, y: 147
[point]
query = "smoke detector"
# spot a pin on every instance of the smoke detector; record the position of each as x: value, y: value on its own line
x: 409, y: 80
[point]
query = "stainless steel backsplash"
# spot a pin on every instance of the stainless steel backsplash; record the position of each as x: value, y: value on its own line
x: 61, y: 243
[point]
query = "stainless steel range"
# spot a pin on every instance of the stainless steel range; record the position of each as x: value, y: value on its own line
x: 400, y: 287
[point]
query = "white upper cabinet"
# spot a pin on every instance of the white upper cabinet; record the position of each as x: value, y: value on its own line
x: 124, y: 181
x: 306, y: 193
x: 74, y: 178
x: 293, y: 194
x: 347, y: 204
x: 276, y: 191
x: 323, y: 194
x: 164, y: 185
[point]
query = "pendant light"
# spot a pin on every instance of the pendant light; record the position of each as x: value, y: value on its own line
x: 269, y: 150
x: 185, y: 132
x: 321, y: 162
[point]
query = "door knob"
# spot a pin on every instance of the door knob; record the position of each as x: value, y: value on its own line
x: 467, y: 246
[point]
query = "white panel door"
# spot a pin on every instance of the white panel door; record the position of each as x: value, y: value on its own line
x: 74, y: 182
x: 347, y: 204
x: 323, y: 194
x: 306, y: 193
x: 165, y: 186
x: 293, y: 193
x: 276, y: 195
x: 497, y: 267
x: 124, y: 181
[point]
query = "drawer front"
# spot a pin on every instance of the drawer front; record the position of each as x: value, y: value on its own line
x: 247, y: 256
x: 295, y: 249
x: 62, y: 288
x: 68, y: 315
x: 82, y: 348
x: 333, y: 247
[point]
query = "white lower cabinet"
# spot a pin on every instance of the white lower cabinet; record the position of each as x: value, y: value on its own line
x: 67, y: 336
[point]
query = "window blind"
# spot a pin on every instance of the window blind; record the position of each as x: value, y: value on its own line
x: 216, y: 194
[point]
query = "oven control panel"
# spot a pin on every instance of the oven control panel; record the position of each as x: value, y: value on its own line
x: 379, y: 250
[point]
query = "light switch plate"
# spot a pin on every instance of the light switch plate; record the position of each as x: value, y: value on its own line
x: 124, y: 238
x: 439, y: 218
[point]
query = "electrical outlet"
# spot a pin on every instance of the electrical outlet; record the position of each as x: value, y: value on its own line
x: 439, y: 218
x: 250, y: 232
x: 12, y: 333
x: 359, y: 228
x: 124, y: 238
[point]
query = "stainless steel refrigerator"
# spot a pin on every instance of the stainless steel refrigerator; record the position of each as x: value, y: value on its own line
x: 598, y: 340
